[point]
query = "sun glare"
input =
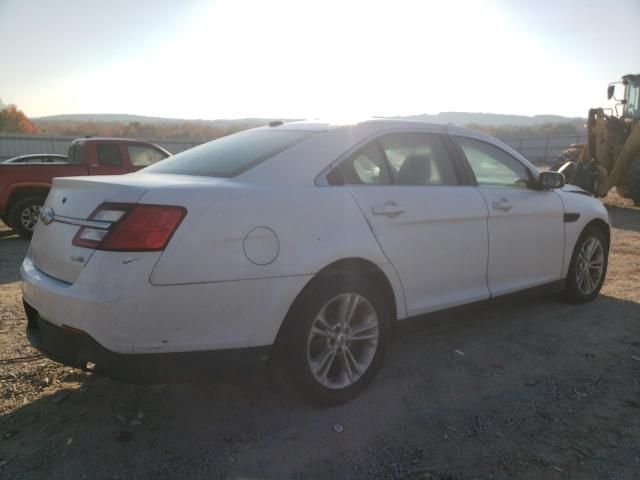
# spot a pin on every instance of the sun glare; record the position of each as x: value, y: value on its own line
x: 336, y: 59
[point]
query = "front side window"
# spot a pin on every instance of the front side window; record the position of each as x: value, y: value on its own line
x: 142, y: 156
x: 632, y: 104
x: 109, y: 154
x: 229, y: 156
x: 418, y: 159
x: 492, y: 166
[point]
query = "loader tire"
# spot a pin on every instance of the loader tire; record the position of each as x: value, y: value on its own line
x: 635, y: 181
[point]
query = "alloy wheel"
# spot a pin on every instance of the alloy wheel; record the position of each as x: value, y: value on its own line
x: 343, y: 341
x: 589, y: 265
x: 29, y: 217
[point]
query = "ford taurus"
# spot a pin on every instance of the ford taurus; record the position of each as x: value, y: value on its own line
x: 300, y: 241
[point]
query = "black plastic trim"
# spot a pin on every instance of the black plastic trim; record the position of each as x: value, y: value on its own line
x: 571, y: 217
x: 77, y: 350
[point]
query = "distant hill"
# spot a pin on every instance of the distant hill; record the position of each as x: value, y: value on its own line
x: 455, y: 118
x: 493, y: 119
x: 127, y: 118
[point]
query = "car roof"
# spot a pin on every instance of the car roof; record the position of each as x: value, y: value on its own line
x: 110, y: 139
x: 381, y: 123
x: 36, y: 155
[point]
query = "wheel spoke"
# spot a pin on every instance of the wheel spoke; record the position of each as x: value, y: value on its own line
x: 580, y: 278
x: 347, y: 367
x: 322, y: 328
x: 364, y: 332
x: 591, y: 248
x: 348, y: 307
x: 351, y: 364
x: 323, y: 366
x: 323, y: 333
x: 587, y: 281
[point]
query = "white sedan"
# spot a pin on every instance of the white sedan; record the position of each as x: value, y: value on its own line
x: 301, y: 243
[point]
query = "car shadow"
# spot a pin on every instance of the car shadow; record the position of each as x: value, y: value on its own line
x: 443, y: 375
x: 625, y: 218
x: 12, y: 251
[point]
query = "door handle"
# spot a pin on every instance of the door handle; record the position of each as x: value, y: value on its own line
x: 390, y: 209
x: 502, y: 204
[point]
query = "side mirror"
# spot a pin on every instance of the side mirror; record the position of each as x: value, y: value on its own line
x: 549, y: 180
x: 610, y: 91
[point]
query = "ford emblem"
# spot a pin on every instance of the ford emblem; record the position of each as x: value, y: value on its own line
x: 46, y: 216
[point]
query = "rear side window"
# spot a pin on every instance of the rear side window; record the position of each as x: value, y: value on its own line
x: 230, y: 156
x: 418, y: 159
x: 142, y: 156
x: 365, y: 167
x: 109, y: 154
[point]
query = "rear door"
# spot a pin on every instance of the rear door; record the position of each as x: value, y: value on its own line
x: 431, y: 227
x: 526, y: 225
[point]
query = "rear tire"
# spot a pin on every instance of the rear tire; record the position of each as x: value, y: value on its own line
x: 23, y: 215
x: 588, y: 267
x: 635, y: 181
x: 329, y: 354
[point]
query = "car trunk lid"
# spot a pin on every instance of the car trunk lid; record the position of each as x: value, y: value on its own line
x: 73, y: 200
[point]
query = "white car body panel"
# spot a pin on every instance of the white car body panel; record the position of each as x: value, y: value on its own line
x: 533, y: 224
x: 249, y: 245
x: 440, y: 255
x: 576, y: 200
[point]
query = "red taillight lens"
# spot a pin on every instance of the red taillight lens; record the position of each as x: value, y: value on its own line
x: 136, y: 227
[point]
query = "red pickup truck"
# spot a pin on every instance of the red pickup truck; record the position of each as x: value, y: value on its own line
x: 23, y: 187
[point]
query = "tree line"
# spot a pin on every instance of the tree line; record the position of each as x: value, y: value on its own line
x: 13, y: 120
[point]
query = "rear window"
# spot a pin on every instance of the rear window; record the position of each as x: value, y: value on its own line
x: 109, y: 154
x: 229, y: 156
x: 76, y: 154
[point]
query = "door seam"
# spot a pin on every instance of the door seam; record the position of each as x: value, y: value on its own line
x: 404, y: 298
x: 486, y: 274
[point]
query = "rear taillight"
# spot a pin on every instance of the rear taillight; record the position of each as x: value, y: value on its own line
x: 130, y: 227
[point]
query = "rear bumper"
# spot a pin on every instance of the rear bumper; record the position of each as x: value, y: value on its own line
x: 77, y: 349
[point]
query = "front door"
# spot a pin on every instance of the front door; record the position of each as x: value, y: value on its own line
x: 526, y: 225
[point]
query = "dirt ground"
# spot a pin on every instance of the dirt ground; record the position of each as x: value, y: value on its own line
x: 526, y: 387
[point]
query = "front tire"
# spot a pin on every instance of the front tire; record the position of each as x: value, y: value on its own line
x: 335, y: 339
x: 588, y: 266
x: 23, y: 215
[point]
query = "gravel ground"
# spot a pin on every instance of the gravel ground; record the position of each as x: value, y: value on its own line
x: 525, y: 387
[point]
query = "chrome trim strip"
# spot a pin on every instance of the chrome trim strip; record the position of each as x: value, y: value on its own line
x: 82, y: 223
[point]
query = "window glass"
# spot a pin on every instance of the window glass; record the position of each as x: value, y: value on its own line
x: 109, y: 154
x: 142, y: 156
x: 493, y: 166
x: 76, y: 154
x: 418, y: 159
x: 366, y: 167
x: 230, y: 156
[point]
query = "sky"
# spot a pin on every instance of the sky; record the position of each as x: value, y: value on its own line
x: 314, y: 59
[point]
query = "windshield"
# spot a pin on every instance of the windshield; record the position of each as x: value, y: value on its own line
x: 229, y: 156
x: 632, y: 96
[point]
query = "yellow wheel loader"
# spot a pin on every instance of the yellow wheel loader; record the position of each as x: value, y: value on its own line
x: 611, y: 156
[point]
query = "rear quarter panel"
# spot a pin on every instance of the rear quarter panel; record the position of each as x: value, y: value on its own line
x: 315, y: 226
